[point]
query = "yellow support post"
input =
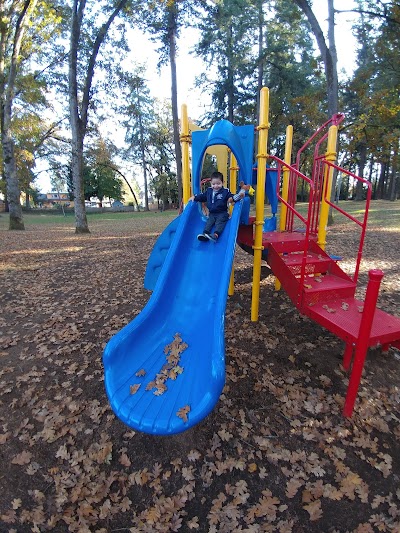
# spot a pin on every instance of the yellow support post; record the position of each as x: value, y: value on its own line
x: 185, y: 141
x: 262, y: 157
x: 285, y: 186
x: 232, y: 187
x: 328, y: 177
x: 285, y: 180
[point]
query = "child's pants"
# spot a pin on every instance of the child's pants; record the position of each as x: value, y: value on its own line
x: 218, y: 220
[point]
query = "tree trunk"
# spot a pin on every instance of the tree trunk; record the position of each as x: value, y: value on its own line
x: 230, y: 88
x: 78, y: 120
x: 393, y: 174
x: 331, y: 64
x: 129, y: 187
x: 144, y: 166
x: 13, y: 190
x: 361, y: 168
x: 77, y: 126
x: 328, y: 54
x: 381, y: 186
x: 174, y: 97
x: 7, y: 84
x: 81, y: 223
x: 329, y: 57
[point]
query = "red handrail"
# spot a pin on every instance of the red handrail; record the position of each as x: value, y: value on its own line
x: 363, y: 223
x: 294, y: 212
x: 335, y: 120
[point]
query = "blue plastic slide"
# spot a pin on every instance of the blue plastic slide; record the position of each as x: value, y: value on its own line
x: 158, y: 254
x: 165, y: 370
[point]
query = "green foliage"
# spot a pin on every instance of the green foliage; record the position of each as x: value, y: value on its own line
x: 160, y: 17
x: 209, y: 166
x: 101, y: 182
x: 165, y: 188
x: 226, y: 44
x: 29, y: 93
x: 371, y: 97
x: 99, y: 175
x: 293, y: 75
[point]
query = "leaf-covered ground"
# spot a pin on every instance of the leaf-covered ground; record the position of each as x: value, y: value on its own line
x: 274, y: 456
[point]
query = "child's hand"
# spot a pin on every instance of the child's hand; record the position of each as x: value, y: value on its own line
x: 191, y: 199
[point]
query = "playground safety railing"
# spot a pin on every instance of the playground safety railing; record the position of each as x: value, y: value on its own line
x: 295, y: 174
x: 319, y: 136
x: 335, y: 120
x: 361, y: 223
x: 293, y: 212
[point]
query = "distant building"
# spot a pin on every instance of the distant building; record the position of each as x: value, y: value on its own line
x: 51, y: 199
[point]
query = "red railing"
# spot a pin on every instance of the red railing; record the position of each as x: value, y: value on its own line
x: 361, y: 223
x: 317, y: 192
x: 335, y: 120
x: 292, y: 211
x: 317, y: 176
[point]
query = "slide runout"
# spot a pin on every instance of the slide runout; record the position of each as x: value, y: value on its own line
x: 190, y: 299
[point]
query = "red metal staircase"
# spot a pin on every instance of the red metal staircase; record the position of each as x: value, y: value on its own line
x: 314, y: 281
x: 326, y: 294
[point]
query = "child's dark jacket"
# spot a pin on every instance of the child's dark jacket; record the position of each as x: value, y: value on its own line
x: 220, y: 203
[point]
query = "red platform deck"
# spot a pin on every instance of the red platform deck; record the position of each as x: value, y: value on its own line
x: 343, y: 318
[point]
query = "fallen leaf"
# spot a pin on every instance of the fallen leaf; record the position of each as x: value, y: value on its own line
x: 124, y: 460
x: 183, y: 412
x: 314, y: 510
x: 23, y: 458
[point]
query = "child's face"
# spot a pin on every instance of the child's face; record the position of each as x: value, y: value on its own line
x: 216, y: 184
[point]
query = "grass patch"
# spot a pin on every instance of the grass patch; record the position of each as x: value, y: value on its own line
x: 33, y: 219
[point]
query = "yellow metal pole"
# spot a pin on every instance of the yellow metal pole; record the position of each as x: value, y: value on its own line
x: 185, y: 141
x: 285, y: 186
x: 285, y: 181
x: 262, y: 157
x: 232, y: 187
x: 328, y: 177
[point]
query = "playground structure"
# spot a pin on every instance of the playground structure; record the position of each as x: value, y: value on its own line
x: 165, y: 371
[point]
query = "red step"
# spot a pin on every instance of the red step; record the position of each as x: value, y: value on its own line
x: 329, y: 286
x: 284, y: 242
x: 315, y: 263
x: 325, y: 288
x: 343, y: 318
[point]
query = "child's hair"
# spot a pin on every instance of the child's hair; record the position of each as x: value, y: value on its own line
x: 217, y: 175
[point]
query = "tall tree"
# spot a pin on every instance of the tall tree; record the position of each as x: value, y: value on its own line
x: 138, y: 108
x: 82, y: 65
x: 372, y: 96
x: 293, y: 76
x: 163, y: 19
x: 15, y: 18
x: 160, y: 145
x: 327, y: 50
x: 101, y: 178
x: 228, y: 36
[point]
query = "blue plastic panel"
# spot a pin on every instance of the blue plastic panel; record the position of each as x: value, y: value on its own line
x: 240, y: 139
x: 158, y: 255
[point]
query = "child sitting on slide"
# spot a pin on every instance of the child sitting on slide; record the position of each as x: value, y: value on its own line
x: 217, y: 198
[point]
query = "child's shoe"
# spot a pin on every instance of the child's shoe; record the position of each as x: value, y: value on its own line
x: 213, y: 237
x: 203, y: 237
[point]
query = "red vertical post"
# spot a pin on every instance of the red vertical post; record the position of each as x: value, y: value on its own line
x: 348, y: 354
x: 371, y: 297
